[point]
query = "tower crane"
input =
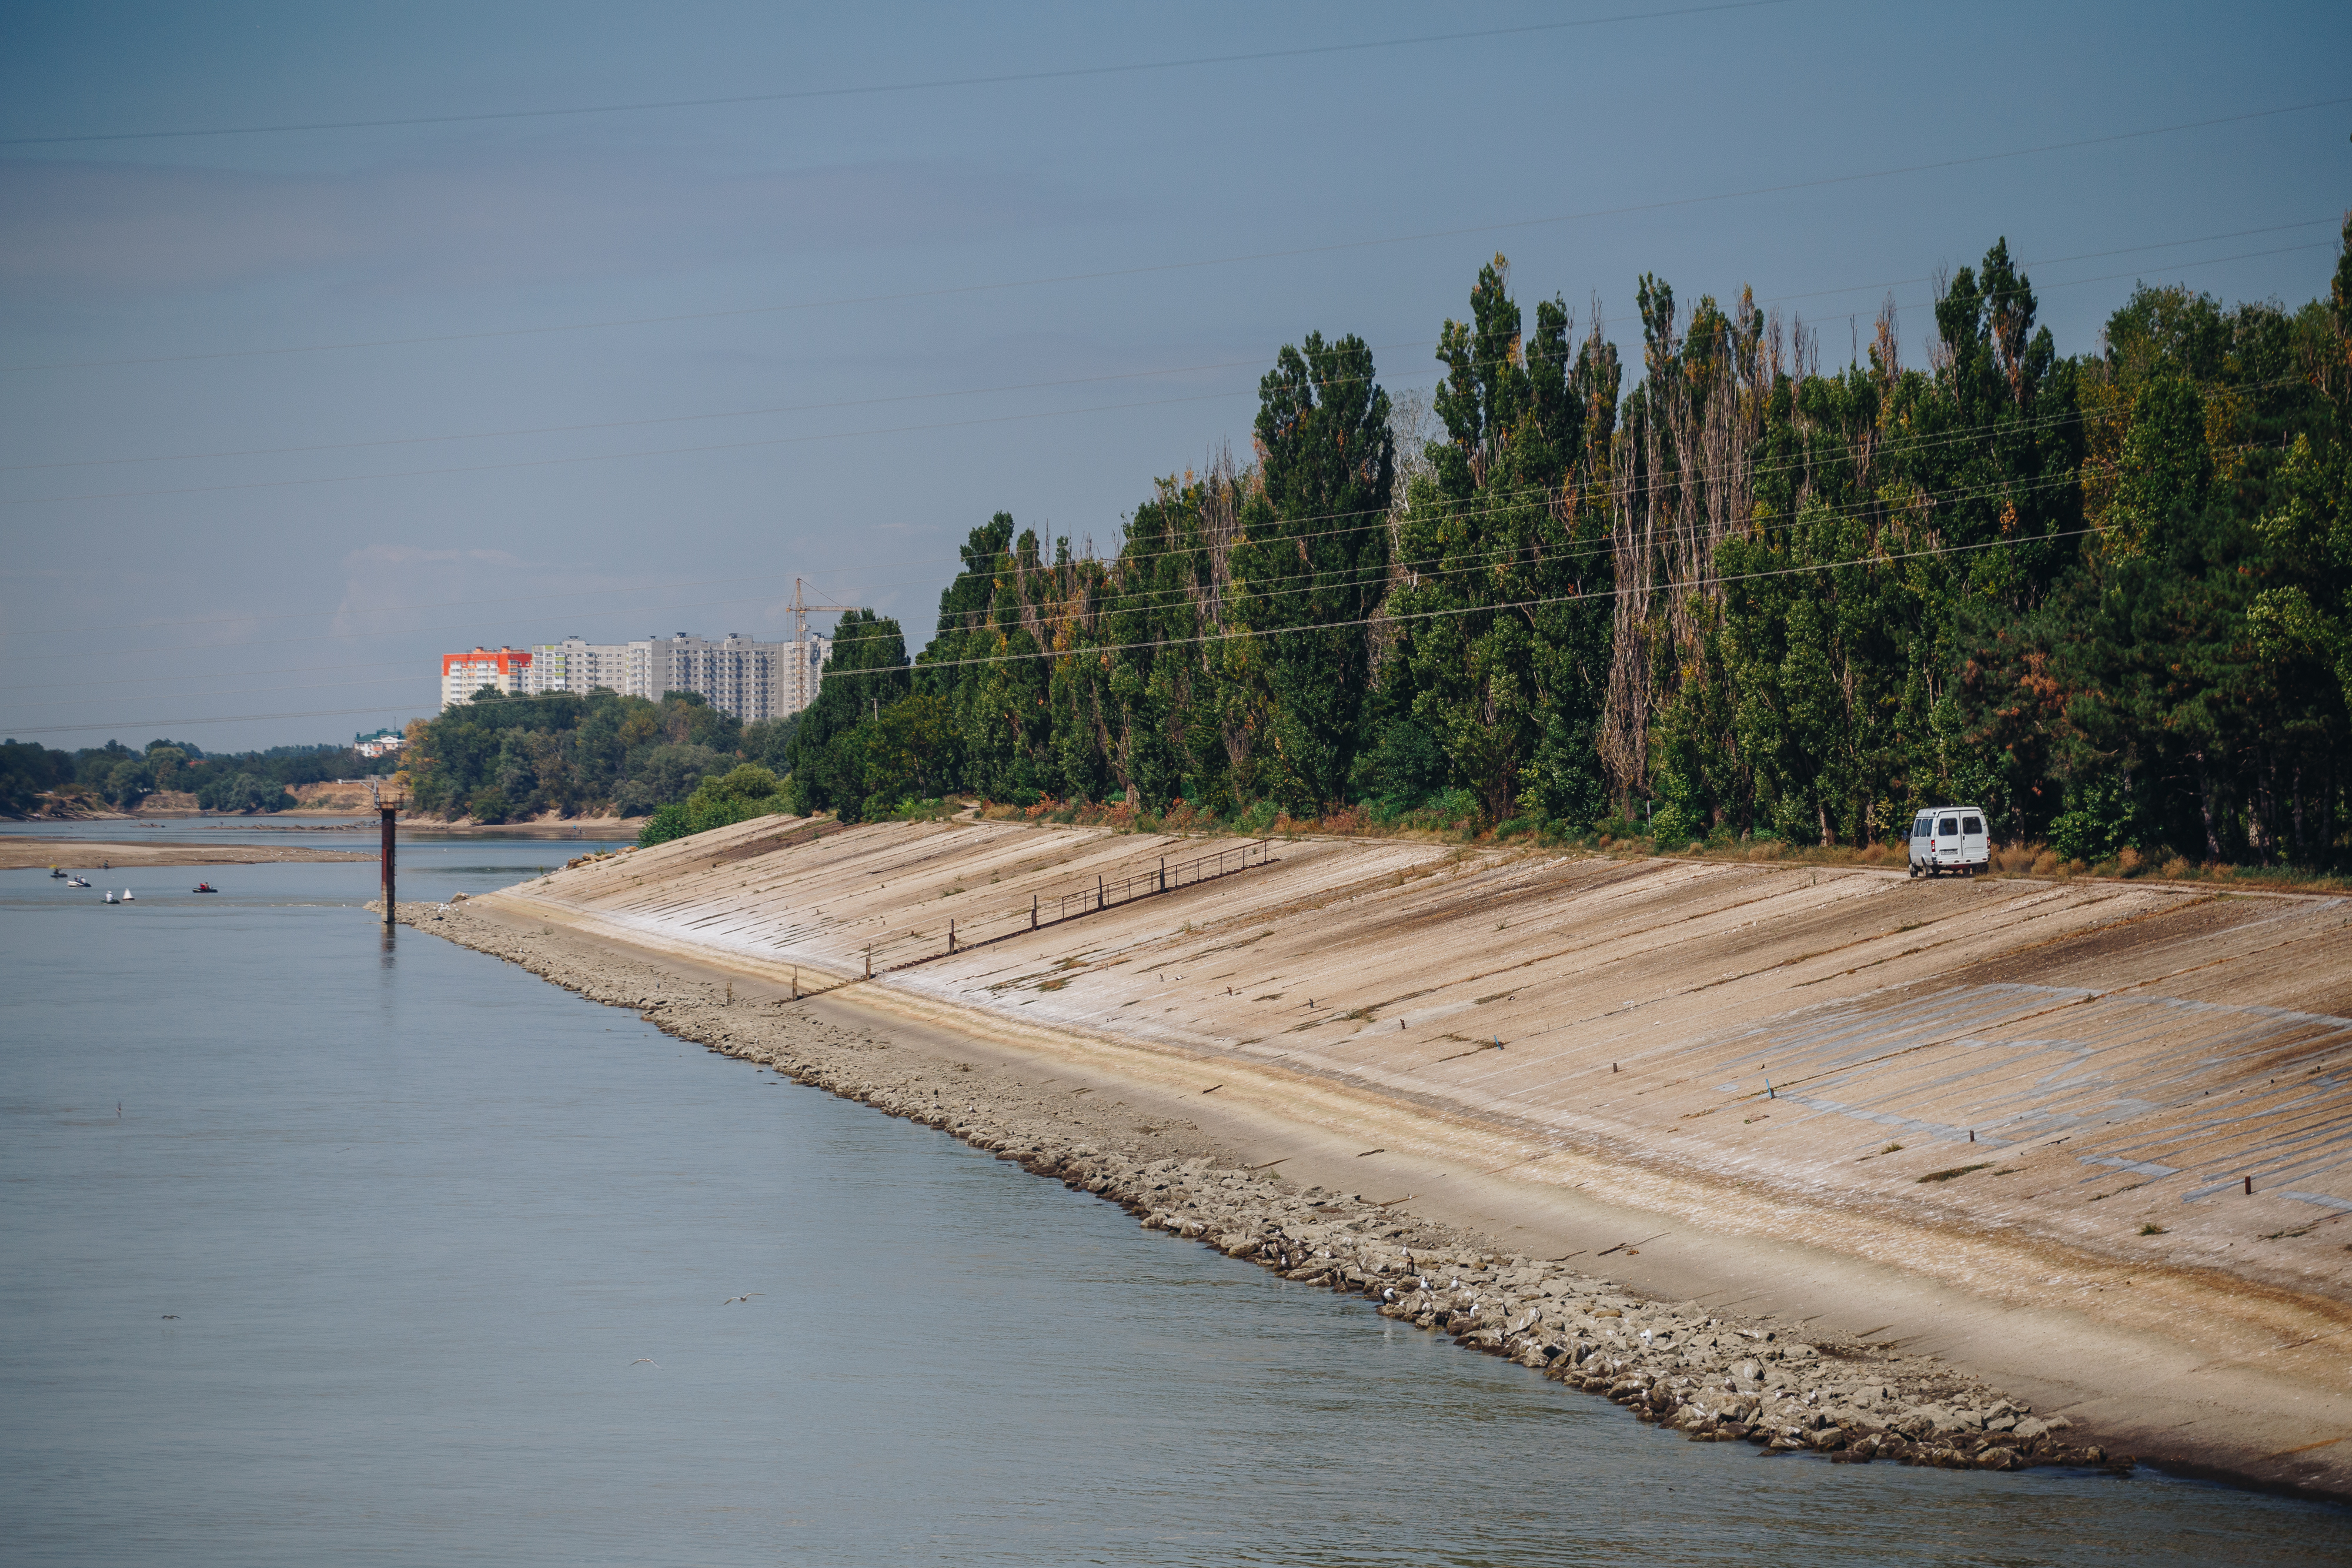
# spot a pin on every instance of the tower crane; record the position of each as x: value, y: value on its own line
x: 802, y: 696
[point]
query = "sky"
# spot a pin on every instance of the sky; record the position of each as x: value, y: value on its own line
x: 491, y: 323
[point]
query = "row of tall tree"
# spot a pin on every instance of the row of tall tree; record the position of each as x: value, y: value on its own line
x: 2101, y: 596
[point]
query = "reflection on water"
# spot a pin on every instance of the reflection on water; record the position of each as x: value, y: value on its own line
x: 396, y: 1252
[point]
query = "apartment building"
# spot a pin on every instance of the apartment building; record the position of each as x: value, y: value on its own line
x: 737, y: 675
x: 576, y: 664
x: 462, y: 675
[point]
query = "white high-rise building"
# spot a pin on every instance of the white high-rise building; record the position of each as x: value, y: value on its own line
x: 736, y: 675
x: 507, y: 670
x: 576, y: 664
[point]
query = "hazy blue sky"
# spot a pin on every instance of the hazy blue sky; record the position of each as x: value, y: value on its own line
x: 289, y: 414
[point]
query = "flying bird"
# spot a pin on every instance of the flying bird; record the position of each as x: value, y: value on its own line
x: 647, y: 1361
x: 732, y: 1300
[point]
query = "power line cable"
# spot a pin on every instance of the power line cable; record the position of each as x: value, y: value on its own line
x: 1243, y: 634
x: 803, y: 95
x: 1073, y: 381
x: 1596, y: 548
x: 1373, y: 517
x: 708, y: 447
x: 1156, y: 268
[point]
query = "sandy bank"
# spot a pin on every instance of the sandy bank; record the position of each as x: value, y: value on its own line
x: 1572, y: 1054
x: 86, y: 854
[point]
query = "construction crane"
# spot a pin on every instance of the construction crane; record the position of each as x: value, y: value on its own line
x: 802, y: 696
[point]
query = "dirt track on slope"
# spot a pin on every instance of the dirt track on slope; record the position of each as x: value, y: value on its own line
x: 1580, y: 1049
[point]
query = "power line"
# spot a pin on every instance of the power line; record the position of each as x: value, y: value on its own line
x: 703, y: 449
x: 1063, y: 607
x: 806, y: 94
x: 1083, y: 381
x: 1243, y: 634
x: 1157, y: 267
x: 1372, y: 517
x: 678, y: 418
x: 763, y: 442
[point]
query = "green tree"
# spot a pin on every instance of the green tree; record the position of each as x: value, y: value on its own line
x: 1311, y: 567
x: 866, y: 674
x: 1503, y: 569
x: 2309, y: 525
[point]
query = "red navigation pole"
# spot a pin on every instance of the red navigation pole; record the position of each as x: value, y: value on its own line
x: 388, y: 798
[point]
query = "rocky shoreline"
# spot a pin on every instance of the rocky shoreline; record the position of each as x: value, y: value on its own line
x: 1683, y: 1366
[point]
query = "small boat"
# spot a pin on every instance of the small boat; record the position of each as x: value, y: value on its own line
x: 54, y: 872
x: 128, y: 897
x: 77, y: 881
x: 110, y: 897
x: 203, y: 887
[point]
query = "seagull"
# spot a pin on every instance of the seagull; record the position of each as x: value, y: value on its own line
x: 732, y: 1300
x: 171, y: 1317
x: 647, y: 1361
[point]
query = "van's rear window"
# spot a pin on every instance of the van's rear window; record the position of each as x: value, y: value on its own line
x: 1973, y: 825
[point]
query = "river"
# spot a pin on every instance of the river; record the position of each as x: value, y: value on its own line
x: 328, y: 1245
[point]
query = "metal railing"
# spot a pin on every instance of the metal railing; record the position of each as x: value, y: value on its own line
x: 1105, y: 894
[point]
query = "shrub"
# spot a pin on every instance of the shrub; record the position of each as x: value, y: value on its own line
x: 488, y: 805
x: 667, y: 822
x: 2018, y: 857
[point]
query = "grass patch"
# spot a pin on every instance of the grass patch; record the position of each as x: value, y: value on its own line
x: 2151, y: 1229
x: 1956, y: 1171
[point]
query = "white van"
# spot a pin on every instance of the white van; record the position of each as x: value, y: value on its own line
x: 1949, y: 838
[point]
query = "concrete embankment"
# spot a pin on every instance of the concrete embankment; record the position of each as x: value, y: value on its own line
x: 1707, y: 1372
x: 2010, y: 1122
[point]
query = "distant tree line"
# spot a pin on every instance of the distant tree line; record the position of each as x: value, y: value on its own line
x: 2101, y: 596
x: 120, y: 778
x: 498, y: 758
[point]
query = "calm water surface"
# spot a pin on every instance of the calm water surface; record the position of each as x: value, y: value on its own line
x: 416, y: 1216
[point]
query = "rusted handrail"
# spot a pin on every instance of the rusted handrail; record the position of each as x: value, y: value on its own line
x: 1105, y: 894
